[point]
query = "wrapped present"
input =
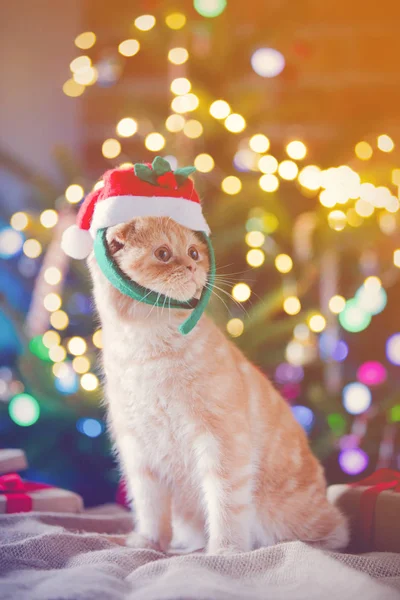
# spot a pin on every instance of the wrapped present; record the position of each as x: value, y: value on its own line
x: 373, y: 508
x: 17, y: 495
x: 11, y: 460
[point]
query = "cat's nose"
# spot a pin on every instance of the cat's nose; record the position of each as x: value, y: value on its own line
x: 189, y: 264
x: 191, y: 268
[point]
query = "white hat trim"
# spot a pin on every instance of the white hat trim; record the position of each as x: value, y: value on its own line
x: 121, y: 209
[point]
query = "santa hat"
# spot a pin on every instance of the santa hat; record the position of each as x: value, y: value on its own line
x: 143, y: 190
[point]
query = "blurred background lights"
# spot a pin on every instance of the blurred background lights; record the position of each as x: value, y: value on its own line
x: 81, y: 364
x: 235, y: 123
x: 396, y: 258
x: 385, y: 143
x: 304, y: 416
x: 51, y: 338
x: 268, y: 164
x: 193, y: 129
x: 74, y: 193
x: 90, y: 427
x: 255, y: 239
x: 73, y: 89
x: 204, y: 163
x: 180, y: 86
x: 49, y: 218
x: 286, y: 373
x: 255, y: 257
x: 337, y: 304
x: 268, y: 182
x: 283, y: 263
x: 24, y: 410
x: 59, y: 320
x: 353, y: 318
x: 11, y: 242
x: 231, y: 185
x: 79, y: 63
x: 310, y: 177
x: 52, y: 302
x: 85, y: 40
x: 393, y: 349
x: 129, y: 47
x: 241, y: 292
x: 89, y: 382
x: 245, y: 160
x: 370, y: 299
x: 86, y: 76
x: 357, y: 398
x: 209, y: 8
x: 288, y: 170
x: 127, y: 127
x: 372, y: 373
x: 175, y: 20
x: 317, y: 323
x: 175, y: 123
x: 363, y: 208
x: 337, y: 220
x: 154, y: 141
x: 67, y: 381
x: 363, y: 150
x: 259, y: 143
x: 145, y: 22
x: 52, y: 275
x: 98, y: 338
x: 353, y: 461
x: 178, y: 56
x: 111, y: 148
x: 267, y: 62
x: 291, y: 305
x: 301, y: 332
x: 19, y: 221
x: 32, y: 248
x: 57, y: 353
x: 77, y: 346
x: 185, y: 103
x: 296, y: 150
x: 235, y: 327
x: 220, y: 109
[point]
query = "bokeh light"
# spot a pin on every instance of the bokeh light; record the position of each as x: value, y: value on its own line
x: 19, y: 221
x: 52, y: 275
x: 357, y: 398
x: 111, y: 148
x: 57, y: 353
x: 372, y: 373
x: 98, y: 338
x: 231, y: 185
x: 73, y: 89
x: 175, y: 123
x: 220, y: 109
x: 32, y: 248
x: 85, y: 40
x: 353, y: 318
x: 145, y: 22
x: 209, y: 8
x: 259, y: 143
x: 51, y: 338
x: 235, y: 327
x: 310, y: 177
x: 89, y: 382
x: 370, y: 299
x: 241, y: 292
x: 127, y: 127
x: 204, y: 163
x: 129, y: 47
x: 52, y: 302
x: 154, y: 142
x: 11, y: 242
x: 180, y: 86
x: 79, y: 63
x: 77, y: 346
x: 337, y: 304
x: 286, y: 373
x: 24, y: 410
x: 90, y: 427
x: 304, y: 416
x: 283, y: 263
x: 268, y: 182
x: 67, y: 381
x: 74, y: 193
x: 292, y: 305
x: 385, y: 143
x: 255, y: 239
x: 81, y: 364
x: 235, y: 123
x: 268, y: 164
x: 353, y: 461
x: 317, y: 323
x: 175, y: 20
x: 193, y: 129
x: 296, y: 150
x: 267, y: 62
x: 49, y: 218
x: 363, y: 150
x: 59, y: 320
x: 288, y: 170
x: 393, y: 349
x: 255, y: 257
x: 178, y: 56
x: 337, y: 220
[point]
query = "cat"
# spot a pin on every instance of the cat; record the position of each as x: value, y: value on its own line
x: 210, y: 451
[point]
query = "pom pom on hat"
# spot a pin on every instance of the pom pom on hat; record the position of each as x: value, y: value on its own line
x: 77, y: 243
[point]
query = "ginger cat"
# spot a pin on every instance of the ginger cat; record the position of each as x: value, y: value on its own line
x: 210, y: 451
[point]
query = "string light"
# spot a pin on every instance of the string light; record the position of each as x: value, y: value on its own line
x: 89, y: 382
x: 79, y: 63
x: 337, y: 220
x: 292, y: 305
x: 73, y: 89
x: 24, y: 410
x: 296, y: 150
x: 19, y: 221
x: 175, y: 20
x: 74, y: 193
x: 220, y: 109
x: 267, y: 62
x: 255, y: 239
x: 59, y: 320
x: 52, y: 302
x: 268, y: 164
x: 129, y: 47
x: 98, y: 339
x: 235, y: 123
x: 178, y: 56
x: 57, y: 353
x: 255, y: 257
x: 337, y: 304
x: 180, y: 86
x: 51, y: 338
x: 283, y: 263
x: 193, y: 129
x: 209, y: 8
x: 317, y: 323
x: 235, y: 327
x: 175, y: 123
x: 268, y: 182
x: 52, y: 276
x: 231, y: 185
x: 204, y: 163
x: 259, y: 143
x: 288, y: 170
x: 49, y: 218
x: 241, y: 292
x: 111, y: 148
x: 77, y: 346
x: 81, y: 364
x: 363, y: 150
x: 85, y: 40
x: 385, y: 143
x: 154, y: 141
x: 127, y: 127
x: 32, y: 248
x: 145, y: 22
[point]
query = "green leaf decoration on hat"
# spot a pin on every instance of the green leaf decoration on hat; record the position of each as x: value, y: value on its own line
x: 161, y: 166
x: 145, y: 173
x: 182, y: 174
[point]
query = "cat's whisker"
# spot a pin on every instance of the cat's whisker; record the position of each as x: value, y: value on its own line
x: 238, y: 304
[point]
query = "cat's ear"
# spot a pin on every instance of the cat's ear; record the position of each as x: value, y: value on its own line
x: 117, y: 237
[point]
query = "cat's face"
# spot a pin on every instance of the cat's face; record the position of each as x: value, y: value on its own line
x: 161, y: 255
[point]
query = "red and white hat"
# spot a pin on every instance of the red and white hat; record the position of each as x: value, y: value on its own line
x: 143, y: 190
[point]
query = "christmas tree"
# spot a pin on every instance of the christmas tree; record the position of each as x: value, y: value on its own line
x: 304, y: 230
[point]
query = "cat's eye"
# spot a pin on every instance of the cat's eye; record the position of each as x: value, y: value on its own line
x: 193, y: 253
x: 163, y: 253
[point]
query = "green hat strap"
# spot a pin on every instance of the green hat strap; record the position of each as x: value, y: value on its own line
x: 137, y: 292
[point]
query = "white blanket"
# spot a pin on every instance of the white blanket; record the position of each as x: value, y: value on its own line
x: 60, y: 557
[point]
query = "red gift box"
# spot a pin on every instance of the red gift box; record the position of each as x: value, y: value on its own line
x: 17, y: 495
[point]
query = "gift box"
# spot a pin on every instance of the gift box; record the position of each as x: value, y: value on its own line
x: 17, y: 495
x: 11, y: 460
x: 373, y: 509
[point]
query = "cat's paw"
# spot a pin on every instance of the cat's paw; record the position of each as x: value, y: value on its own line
x: 139, y: 541
x: 224, y: 549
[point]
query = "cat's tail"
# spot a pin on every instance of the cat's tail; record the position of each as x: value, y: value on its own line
x: 338, y: 536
